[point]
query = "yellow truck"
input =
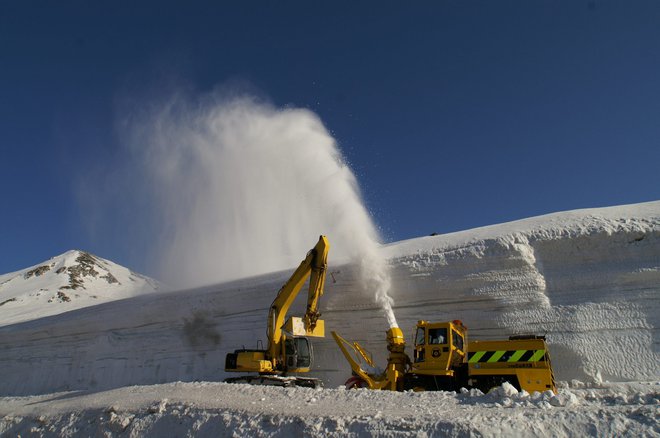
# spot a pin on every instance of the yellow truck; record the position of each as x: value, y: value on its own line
x: 443, y: 359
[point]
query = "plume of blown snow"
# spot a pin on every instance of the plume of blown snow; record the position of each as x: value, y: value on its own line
x: 375, y: 277
x: 231, y: 187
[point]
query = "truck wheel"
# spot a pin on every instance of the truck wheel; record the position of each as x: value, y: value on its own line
x: 355, y: 382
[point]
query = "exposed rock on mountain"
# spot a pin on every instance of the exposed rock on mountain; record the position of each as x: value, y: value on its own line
x: 69, y: 281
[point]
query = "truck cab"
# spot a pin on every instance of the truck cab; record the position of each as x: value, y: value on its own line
x: 440, y: 347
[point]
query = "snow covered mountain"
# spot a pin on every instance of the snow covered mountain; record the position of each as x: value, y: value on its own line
x: 589, y: 280
x: 67, y: 282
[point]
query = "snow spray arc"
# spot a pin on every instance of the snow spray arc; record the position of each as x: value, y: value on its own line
x: 244, y: 187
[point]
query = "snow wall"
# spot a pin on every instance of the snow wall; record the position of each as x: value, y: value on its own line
x: 589, y: 280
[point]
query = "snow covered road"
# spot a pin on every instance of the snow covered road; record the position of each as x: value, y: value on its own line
x: 219, y: 409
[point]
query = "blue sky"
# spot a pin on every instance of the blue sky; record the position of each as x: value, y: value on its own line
x: 453, y: 115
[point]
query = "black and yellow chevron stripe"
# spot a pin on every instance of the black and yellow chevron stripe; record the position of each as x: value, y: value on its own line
x: 506, y: 356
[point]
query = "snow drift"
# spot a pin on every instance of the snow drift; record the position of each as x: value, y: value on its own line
x: 588, y: 279
x: 207, y: 409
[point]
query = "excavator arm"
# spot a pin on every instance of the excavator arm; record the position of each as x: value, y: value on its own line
x: 361, y: 363
x: 314, y: 265
x: 288, y: 349
x: 319, y: 266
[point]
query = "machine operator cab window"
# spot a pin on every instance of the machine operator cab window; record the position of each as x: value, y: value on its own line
x: 437, y: 336
x: 420, y: 340
x: 420, y: 336
x: 457, y: 340
x: 298, y: 353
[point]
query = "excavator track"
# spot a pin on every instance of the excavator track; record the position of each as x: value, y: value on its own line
x: 303, y: 382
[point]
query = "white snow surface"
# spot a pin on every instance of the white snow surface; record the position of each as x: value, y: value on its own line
x: 587, y: 279
x: 67, y: 282
x: 203, y: 409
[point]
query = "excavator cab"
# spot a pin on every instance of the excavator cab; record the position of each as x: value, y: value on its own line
x: 298, y: 354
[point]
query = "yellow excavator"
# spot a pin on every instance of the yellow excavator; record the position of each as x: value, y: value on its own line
x: 289, y: 350
x: 444, y: 360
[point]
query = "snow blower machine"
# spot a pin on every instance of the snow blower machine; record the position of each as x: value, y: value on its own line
x: 444, y: 360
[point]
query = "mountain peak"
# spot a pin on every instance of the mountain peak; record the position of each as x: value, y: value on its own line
x: 68, y: 281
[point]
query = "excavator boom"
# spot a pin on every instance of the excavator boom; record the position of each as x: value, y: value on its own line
x: 288, y: 349
x: 314, y: 265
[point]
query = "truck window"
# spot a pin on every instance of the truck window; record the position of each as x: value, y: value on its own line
x: 437, y: 336
x: 457, y: 340
x: 419, y: 337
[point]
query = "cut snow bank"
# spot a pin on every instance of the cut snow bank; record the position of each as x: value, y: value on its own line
x: 588, y: 279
